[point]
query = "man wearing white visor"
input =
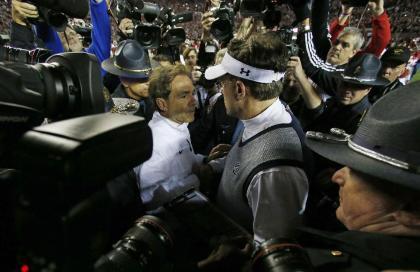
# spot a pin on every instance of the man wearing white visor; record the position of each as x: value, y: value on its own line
x: 264, y: 184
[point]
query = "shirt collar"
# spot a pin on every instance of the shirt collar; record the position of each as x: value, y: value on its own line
x: 171, y: 123
x: 275, y: 114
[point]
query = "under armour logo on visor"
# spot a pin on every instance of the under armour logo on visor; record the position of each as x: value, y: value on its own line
x: 245, y: 72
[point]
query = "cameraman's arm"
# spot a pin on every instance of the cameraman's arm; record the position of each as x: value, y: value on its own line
x: 320, y: 72
x: 21, y: 11
x: 101, y: 30
x: 50, y: 38
x: 310, y: 96
x: 206, y: 22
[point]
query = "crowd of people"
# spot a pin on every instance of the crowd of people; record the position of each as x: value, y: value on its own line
x: 403, y: 15
x: 313, y: 139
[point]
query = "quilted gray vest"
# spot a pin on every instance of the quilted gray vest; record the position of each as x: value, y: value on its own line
x: 275, y: 146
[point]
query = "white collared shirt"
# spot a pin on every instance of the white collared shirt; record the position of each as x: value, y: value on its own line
x: 168, y: 172
x: 275, y: 114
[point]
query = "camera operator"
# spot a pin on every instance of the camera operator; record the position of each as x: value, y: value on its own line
x: 69, y: 40
x: 21, y: 32
x: 169, y: 172
x: 132, y: 65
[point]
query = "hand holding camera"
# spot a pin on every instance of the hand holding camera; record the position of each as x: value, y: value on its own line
x: 22, y: 10
x: 126, y: 26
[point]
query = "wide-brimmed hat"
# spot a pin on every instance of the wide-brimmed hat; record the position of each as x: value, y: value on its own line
x: 397, y: 55
x: 387, y: 143
x: 130, y: 60
x: 364, y: 69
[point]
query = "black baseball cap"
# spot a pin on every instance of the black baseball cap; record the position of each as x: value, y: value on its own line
x: 397, y: 55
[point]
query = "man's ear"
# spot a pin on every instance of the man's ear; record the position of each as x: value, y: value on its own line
x: 240, y: 90
x: 162, y: 104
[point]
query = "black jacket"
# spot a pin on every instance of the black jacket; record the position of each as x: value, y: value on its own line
x: 333, y: 114
x: 359, y: 251
x: 379, y: 91
x: 215, y: 127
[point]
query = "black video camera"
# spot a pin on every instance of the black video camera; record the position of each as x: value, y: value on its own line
x: 154, y: 25
x: 289, y: 37
x: 13, y: 54
x: 222, y: 27
x: 156, y: 242
x: 266, y: 10
x: 55, y: 12
x: 67, y: 85
x: 60, y: 201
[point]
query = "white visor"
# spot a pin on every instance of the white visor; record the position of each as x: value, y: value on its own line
x: 232, y: 66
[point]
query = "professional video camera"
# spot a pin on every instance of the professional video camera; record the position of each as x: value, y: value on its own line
x: 53, y: 12
x: 222, y: 27
x: 13, y: 54
x: 84, y: 30
x: 266, y: 10
x: 289, y: 37
x: 154, y: 25
x: 58, y: 201
x: 185, y: 225
x: 68, y: 85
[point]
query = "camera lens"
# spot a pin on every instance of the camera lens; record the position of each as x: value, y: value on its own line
x: 221, y: 29
x: 281, y: 255
x: 145, y: 247
x: 147, y: 35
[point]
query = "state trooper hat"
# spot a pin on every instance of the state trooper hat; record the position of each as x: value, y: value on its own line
x: 387, y: 143
x: 131, y: 60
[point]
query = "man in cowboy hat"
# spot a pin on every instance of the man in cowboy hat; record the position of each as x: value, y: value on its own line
x: 132, y: 65
x: 345, y: 109
x: 379, y: 189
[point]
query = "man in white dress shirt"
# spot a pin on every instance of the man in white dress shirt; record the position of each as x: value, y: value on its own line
x: 264, y: 185
x: 168, y: 173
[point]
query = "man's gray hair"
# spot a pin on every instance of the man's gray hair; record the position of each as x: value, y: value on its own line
x: 356, y: 33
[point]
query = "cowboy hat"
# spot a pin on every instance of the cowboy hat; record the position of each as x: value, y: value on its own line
x: 364, y: 69
x: 387, y: 143
x: 131, y: 60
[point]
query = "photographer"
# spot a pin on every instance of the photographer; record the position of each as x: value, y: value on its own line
x: 69, y: 40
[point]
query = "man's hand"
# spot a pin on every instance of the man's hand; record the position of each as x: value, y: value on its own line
x: 206, y: 22
x: 247, y: 27
x: 126, y: 26
x: 295, y: 66
x: 376, y: 7
x: 21, y: 11
x: 196, y: 74
x: 219, y: 151
x: 229, y: 255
